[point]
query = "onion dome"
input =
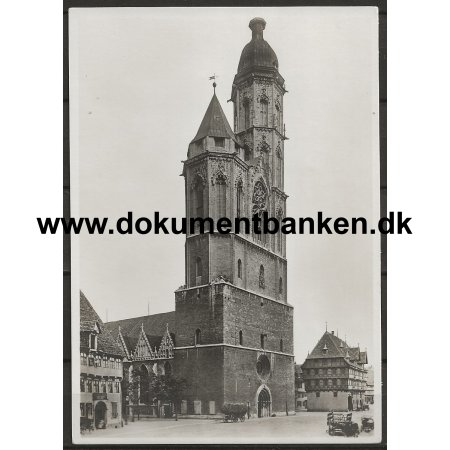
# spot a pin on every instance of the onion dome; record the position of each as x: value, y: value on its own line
x: 257, y: 53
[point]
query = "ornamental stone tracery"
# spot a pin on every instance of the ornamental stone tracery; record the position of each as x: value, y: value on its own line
x: 259, y: 198
x: 199, y: 176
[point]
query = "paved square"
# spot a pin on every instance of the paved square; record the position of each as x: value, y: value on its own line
x: 303, y: 427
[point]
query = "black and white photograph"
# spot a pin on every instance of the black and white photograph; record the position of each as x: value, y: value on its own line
x: 224, y: 224
x: 186, y: 119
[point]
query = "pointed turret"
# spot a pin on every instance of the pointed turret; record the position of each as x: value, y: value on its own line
x: 214, y: 133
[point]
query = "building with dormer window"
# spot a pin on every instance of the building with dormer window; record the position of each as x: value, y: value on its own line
x: 334, y: 375
x: 100, y: 371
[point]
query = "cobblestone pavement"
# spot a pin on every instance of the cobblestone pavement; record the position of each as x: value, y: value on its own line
x: 303, y: 427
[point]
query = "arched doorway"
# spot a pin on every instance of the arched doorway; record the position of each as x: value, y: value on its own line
x: 144, y: 385
x: 264, y: 403
x: 100, y: 415
x: 167, y: 368
x: 350, y: 403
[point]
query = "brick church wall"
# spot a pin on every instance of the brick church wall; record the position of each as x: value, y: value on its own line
x: 255, y: 315
x: 252, y: 257
x: 242, y: 380
x: 198, y: 308
x: 203, y: 368
x: 226, y: 374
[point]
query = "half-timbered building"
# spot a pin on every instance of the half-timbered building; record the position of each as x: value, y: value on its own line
x: 335, y: 375
x: 100, y: 371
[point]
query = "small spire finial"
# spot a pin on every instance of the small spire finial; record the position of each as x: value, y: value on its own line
x: 213, y: 77
x: 326, y: 326
x: 257, y: 25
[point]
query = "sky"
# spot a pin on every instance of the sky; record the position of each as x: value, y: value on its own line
x: 139, y: 87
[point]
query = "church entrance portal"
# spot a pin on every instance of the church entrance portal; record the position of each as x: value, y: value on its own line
x: 264, y: 403
x: 100, y: 415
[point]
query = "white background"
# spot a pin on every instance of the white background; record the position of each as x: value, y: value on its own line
x: 31, y: 186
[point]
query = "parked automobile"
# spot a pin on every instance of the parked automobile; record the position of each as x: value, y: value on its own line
x: 367, y: 424
x: 341, y: 425
x: 234, y: 412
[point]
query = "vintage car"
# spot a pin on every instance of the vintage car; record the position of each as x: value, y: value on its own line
x: 341, y: 425
x: 234, y: 412
x: 86, y: 424
x: 367, y: 424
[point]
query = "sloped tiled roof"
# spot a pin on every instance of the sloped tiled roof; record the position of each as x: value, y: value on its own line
x: 336, y: 347
x: 130, y: 342
x: 88, y: 320
x: 154, y: 341
x: 214, y: 123
x: 154, y: 325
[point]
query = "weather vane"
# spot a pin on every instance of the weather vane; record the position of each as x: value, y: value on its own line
x: 213, y: 77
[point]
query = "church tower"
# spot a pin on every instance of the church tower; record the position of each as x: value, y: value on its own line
x: 234, y: 327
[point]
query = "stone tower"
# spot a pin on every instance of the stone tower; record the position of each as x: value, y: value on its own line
x: 234, y: 327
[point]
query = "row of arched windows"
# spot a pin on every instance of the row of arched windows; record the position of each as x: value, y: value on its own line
x: 198, y: 206
x: 262, y: 282
x: 264, y: 114
x: 198, y: 339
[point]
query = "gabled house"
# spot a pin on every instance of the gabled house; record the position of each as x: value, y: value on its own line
x: 100, y: 371
x: 335, y: 375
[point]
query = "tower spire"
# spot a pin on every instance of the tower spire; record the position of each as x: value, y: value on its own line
x: 213, y: 77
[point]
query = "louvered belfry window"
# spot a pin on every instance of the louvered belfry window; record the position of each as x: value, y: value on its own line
x: 264, y: 113
x: 221, y: 187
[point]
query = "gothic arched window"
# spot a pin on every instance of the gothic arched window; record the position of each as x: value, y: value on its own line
x: 259, y: 200
x: 167, y: 368
x: 198, y: 337
x: 246, y: 153
x: 279, y: 236
x: 262, y: 282
x: 239, y: 268
x: 279, y: 168
x: 280, y: 286
x: 198, y: 270
x: 221, y: 188
x: 239, y: 199
x: 264, y: 113
x: 281, y: 345
x: 278, y: 115
x: 198, y: 199
x: 241, y: 338
x: 246, y: 113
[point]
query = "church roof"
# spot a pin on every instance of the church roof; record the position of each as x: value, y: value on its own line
x: 214, y: 123
x: 154, y: 326
x: 336, y: 347
x: 89, y: 321
x: 257, y: 53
